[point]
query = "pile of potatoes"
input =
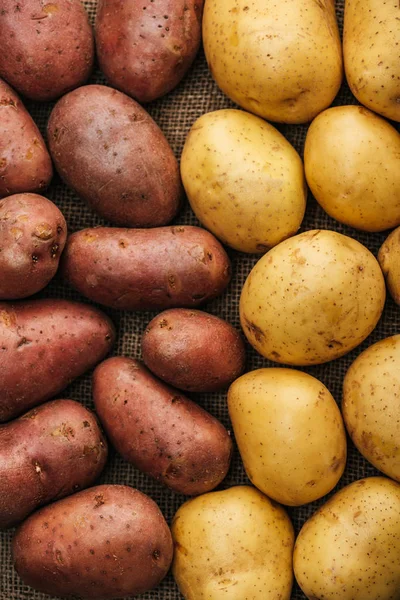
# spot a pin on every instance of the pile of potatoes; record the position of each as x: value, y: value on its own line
x: 310, y: 298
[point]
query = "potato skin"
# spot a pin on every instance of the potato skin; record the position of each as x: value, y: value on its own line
x: 389, y: 260
x: 109, y: 541
x: 193, y: 350
x: 45, y: 345
x: 145, y: 49
x: 158, y: 430
x: 47, y: 48
x: 50, y: 452
x: 110, y: 151
x: 146, y: 269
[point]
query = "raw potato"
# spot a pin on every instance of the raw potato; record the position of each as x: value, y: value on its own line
x: 244, y: 180
x: 45, y: 345
x: 110, y: 151
x: 352, y: 162
x: 145, y: 48
x: 146, y: 269
x: 290, y: 434
x: 50, y: 452
x: 389, y: 259
x: 312, y: 298
x: 33, y: 232
x: 158, y: 430
x: 47, y: 47
x: 371, y: 40
x: 279, y: 60
x: 350, y: 548
x: 234, y: 544
x: 106, y: 542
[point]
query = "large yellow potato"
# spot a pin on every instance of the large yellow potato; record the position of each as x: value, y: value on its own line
x: 389, y: 259
x: 312, y: 298
x: 290, y: 434
x: 371, y: 41
x: 352, y: 162
x: 233, y: 545
x: 350, y: 548
x: 279, y: 60
x: 244, y: 180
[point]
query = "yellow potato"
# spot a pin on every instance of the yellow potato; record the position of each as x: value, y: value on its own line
x: 371, y: 405
x: 352, y: 162
x: 371, y: 41
x: 290, y: 434
x: 244, y: 181
x: 389, y: 259
x: 233, y: 545
x: 279, y: 60
x: 312, y: 298
x: 350, y: 548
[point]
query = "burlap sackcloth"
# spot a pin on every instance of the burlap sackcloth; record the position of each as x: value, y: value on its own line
x: 175, y: 113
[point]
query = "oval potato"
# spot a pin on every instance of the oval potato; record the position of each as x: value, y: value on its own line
x: 389, y: 260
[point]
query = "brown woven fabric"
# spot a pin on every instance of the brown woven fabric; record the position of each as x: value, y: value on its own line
x: 175, y: 113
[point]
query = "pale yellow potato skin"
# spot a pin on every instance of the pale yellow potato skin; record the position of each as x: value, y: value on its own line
x: 352, y: 163
x: 350, y: 548
x: 312, y: 298
x: 281, y: 60
x: 371, y: 405
x: 290, y: 434
x: 245, y: 182
x: 233, y: 545
x: 371, y: 41
x: 389, y: 259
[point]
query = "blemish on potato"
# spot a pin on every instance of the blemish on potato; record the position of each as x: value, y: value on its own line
x: 43, y: 231
x: 99, y: 500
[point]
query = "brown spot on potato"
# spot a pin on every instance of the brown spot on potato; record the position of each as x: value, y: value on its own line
x: 54, y: 250
x: 311, y: 483
x: 59, y: 557
x: 336, y: 464
x: 254, y: 330
x: 43, y: 231
x: 99, y: 500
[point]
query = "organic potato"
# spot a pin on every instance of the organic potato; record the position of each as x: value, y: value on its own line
x: 312, y: 298
x: 234, y: 544
x: 106, y: 542
x: 45, y: 345
x: 389, y: 259
x: 47, y: 47
x: 290, y: 434
x: 350, y: 548
x: 193, y: 350
x: 110, y: 151
x: 352, y: 162
x: 50, y: 452
x: 148, y: 269
x: 158, y: 430
x: 145, y: 48
x: 243, y: 179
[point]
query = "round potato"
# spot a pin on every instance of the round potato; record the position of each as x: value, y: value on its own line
x: 389, y: 259
x: 352, y: 162
x: 312, y: 298
x: 244, y: 181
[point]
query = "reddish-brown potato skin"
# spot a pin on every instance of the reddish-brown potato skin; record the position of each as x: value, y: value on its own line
x: 110, y: 151
x: 51, y: 452
x: 33, y: 232
x: 44, y: 345
x: 145, y: 48
x: 47, y: 46
x: 158, y: 430
x: 193, y: 350
x: 146, y: 269
x: 109, y: 541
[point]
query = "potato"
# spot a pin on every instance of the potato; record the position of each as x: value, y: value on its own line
x: 146, y: 48
x: 106, y: 542
x: 158, y: 430
x: 352, y: 162
x: 193, y: 350
x: 234, y: 544
x: 50, y: 452
x: 25, y: 164
x: 110, y: 151
x: 389, y: 259
x: 47, y: 47
x: 146, y: 268
x: 371, y: 40
x: 45, y: 345
x: 243, y: 179
x: 290, y: 434
x: 279, y: 60
x: 350, y: 548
